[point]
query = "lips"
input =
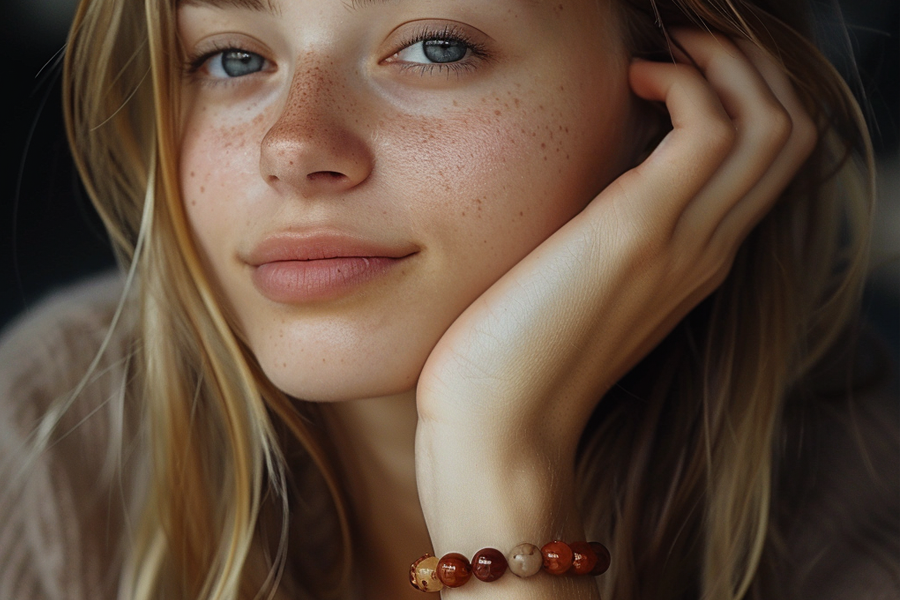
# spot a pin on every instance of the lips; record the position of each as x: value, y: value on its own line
x: 298, y: 268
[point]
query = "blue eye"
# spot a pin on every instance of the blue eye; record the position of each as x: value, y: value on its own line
x: 234, y: 63
x: 436, y: 51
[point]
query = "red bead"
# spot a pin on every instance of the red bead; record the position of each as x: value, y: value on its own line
x: 603, y: 558
x: 454, y: 570
x: 584, y: 559
x: 557, y: 557
x: 488, y: 564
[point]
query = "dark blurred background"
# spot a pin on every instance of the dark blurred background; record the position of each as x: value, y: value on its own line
x: 50, y: 236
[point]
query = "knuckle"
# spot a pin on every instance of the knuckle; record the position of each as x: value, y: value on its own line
x: 778, y: 125
x: 720, y: 136
x: 805, y: 133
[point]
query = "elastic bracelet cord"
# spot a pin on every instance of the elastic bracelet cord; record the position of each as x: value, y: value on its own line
x: 430, y: 574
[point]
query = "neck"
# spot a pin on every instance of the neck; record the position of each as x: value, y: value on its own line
x: 376, y: 442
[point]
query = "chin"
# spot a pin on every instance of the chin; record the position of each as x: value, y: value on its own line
x: 339, y: 383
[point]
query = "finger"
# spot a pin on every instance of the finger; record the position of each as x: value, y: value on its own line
x: 762, y: 124
x: 678, y: 168
x: 794, y: 153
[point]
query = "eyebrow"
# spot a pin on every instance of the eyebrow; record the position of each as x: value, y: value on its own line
x: 266, y: 6
x: 357, y: 4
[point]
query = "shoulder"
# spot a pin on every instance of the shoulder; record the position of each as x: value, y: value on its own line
x: 63, y: 502
x: 46, y: 346
x: 843, y: 473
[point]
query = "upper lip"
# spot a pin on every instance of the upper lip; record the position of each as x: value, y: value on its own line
x: 321, y: 245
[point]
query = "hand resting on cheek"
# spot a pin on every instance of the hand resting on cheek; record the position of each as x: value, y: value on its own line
x: 516, y: 377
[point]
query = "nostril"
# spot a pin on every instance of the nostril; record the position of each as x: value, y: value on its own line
x: 326, y: 176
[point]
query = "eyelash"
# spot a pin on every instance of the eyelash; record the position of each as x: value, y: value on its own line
x: 448, y: 33
x: 194, y: 63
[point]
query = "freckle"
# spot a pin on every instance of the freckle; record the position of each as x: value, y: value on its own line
x: 193, y: 203
x: 521, y: 214
x: 192, y: 173
x: 562, y: 88
x: 463, y: 213
x: 202, y: 189
x: 455, y: 103
x: 541, y: 106
x: 284, y: 365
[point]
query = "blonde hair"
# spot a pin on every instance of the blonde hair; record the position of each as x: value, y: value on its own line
x: 687, y: 460
x: 199, y: 534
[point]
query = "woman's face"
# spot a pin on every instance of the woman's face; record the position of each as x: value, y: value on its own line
x: 357, y: 174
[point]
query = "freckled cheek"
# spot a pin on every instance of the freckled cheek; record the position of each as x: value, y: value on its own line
x: 497, y: 169
x: 218, y: 164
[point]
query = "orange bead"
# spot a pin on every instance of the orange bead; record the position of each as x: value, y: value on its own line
x: 557, y: 557
x: 584, y: 558
x: 454, y: 570
x: 603, y: 558
x: 488, y: 564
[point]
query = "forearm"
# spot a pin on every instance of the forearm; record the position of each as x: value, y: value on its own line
x: 476, y: 494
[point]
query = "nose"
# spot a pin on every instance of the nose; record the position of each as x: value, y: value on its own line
x: 316, y: 146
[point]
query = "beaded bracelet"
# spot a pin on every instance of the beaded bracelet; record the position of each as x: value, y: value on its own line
x: 430, y: 574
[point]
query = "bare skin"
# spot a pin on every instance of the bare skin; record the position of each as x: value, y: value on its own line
x: 462, y: 381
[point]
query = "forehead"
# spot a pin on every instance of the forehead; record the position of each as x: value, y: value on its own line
x: 273, y: 6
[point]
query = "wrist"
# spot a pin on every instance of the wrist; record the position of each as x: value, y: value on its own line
x: 469, y: 488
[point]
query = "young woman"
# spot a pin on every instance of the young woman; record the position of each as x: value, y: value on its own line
x: 409, y: 276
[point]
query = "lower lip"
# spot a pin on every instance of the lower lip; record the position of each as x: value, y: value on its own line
x: 296, y: 281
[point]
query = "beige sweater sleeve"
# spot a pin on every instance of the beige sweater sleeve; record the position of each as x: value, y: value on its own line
x: 64, y: 510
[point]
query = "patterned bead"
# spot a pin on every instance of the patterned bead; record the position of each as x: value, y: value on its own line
x: 489, y: 564
x: 603, y: 558
x: 557, y: 557
x: 454, y: 570
x: 584, y: 558
x: 525, y: 560
x: 423, y: 574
